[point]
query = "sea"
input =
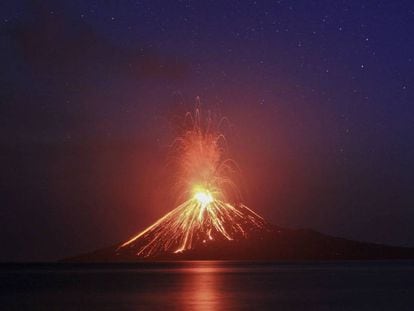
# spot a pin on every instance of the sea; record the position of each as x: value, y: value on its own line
x: 209, y: 285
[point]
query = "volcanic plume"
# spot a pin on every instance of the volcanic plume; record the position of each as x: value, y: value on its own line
x: 211, y: 208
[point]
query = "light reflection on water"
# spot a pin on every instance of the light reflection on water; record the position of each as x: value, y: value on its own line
x: 202, y: 289
x: 209, y: 285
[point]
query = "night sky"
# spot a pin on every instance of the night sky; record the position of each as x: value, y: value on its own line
x: 320, y: 95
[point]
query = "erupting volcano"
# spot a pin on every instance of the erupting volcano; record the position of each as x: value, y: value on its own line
x: 210, y: 220
x: 213, y: 210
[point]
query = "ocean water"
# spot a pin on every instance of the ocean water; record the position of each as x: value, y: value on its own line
x: 209, y: 285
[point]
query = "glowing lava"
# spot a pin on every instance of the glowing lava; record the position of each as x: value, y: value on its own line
x: 213, y: 212
x: 203, y: 197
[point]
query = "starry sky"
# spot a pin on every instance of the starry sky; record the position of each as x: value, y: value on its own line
x: 320, y: 95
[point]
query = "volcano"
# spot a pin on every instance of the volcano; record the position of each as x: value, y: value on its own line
x: 252, y: 238
x: 213, y: 223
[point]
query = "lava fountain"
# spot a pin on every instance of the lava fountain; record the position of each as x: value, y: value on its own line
x: 211, y: 208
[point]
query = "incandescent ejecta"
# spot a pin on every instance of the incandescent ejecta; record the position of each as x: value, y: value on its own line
x: 211, y: 208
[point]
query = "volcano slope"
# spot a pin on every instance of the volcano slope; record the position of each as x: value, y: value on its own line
x: 194, y: 232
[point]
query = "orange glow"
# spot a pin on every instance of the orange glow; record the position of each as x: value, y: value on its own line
x: 206, y: 187
x: 202, y: 288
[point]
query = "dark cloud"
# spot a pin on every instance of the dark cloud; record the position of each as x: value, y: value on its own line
x: 56, y: 66
x: 62, y: 45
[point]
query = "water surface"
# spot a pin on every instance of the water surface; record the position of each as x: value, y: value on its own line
x: 209, y: 285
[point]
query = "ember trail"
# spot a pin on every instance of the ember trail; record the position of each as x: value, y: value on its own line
x: 211, y: 207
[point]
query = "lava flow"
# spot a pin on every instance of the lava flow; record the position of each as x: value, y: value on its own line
x: 205, y: 183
